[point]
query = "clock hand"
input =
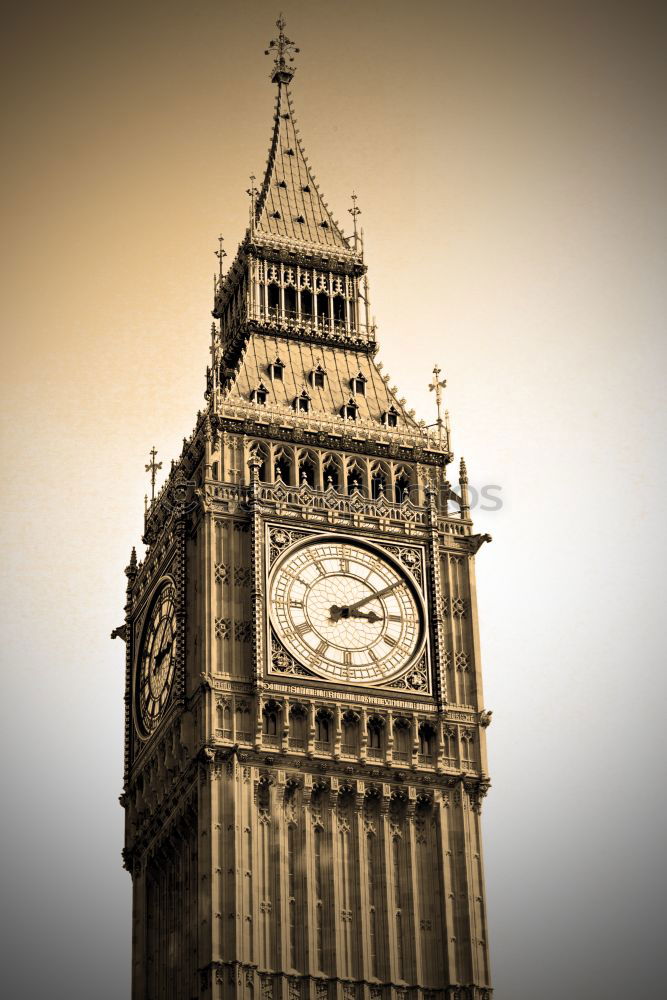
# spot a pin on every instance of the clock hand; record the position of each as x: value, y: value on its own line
x: 373, y: 597
x: 369, y: 615
x: 351, y: 610
x: 161, y: 655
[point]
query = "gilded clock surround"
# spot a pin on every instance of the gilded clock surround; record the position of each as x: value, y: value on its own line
x: 289, y: 836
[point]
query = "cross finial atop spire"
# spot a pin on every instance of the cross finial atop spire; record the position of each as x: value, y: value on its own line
x: 153, y: 467
x: 284, y: 49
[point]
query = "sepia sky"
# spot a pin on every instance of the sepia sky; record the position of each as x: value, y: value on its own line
x: 509, y: 159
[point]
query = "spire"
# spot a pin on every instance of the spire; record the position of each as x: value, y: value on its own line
x: 289, y: 205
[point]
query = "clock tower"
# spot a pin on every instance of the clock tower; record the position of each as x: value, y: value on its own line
x: 305, y: 752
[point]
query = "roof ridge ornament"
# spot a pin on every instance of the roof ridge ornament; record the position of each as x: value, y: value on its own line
x: 284, y: 49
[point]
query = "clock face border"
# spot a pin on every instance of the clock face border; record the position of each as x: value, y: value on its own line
x: 143, y: 732
x: 417, y: 590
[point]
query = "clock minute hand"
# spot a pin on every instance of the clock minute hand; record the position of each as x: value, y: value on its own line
x: 372, y: 597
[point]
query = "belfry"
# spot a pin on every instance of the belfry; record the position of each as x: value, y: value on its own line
x: 305, y: 755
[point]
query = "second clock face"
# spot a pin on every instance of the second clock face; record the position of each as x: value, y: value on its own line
x: 157, y: 660
x: 346, y: 610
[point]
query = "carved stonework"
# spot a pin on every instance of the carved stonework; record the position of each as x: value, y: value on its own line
x: 243, y: 631
x: 416, y: 678
x: 283, y: 663
x: 223, y: 628
x: 280, y: 538
x: 410, y: 558
x: 461, y: 661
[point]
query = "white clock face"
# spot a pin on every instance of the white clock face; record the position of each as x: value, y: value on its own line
x: 346, y: 610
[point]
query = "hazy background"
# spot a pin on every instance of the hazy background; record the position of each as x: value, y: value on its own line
x: 509, y: 160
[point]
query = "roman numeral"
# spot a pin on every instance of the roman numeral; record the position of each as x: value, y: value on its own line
x: 303, y: 628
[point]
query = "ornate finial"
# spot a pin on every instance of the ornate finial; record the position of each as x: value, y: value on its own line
x: 252, y: 194
x: 220, y: 253
x: 463, y: 471
x: 131, y: 569
x: 153, y: 467
x: 254, y: 464
x: 437, y: 386
x: 354, y: 212
x: 284, y: 49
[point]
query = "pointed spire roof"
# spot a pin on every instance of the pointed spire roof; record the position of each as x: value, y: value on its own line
x: 289, y: 205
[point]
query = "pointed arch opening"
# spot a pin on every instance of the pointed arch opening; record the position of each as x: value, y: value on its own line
x: 332, y: 472
x: 323, y: 729
x: 290, y: 302
x: 374, y: 730
x: 356, y: 478
x: 298, y: 733
x: 380, y: 480
x: 282, y: 463
x: 260, y: 452
x: 401, y: 739
x: 350, y: 742
x: 402, y: 484
x: 339, y: 309
x: 426, y: 742
x: 273, y: 299
x: 322, y: 309
x: 308, y: 469
x: 306, y: 303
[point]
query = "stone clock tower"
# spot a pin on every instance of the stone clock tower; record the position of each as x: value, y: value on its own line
x: 305, y: 736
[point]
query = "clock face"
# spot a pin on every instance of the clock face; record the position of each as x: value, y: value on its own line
x: 157, y: 658
x: 346, y: 610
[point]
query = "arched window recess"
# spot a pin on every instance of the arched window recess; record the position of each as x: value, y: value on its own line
x: 283, y: 467
x: 302, y: 402
x: 390, y: 417
x: 374, y: 728
x: 426, y: 742
x: 276, y: 370
x: 318, y: 377
x: 323, y: 728
x: 349, y: 410
x: 307, y: 469
x: 358, y: 384
x: 260, y: 394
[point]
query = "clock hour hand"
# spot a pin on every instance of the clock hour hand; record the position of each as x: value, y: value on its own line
x: 162, y: 654
x: 368, y: 615
x: 337, y: 613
